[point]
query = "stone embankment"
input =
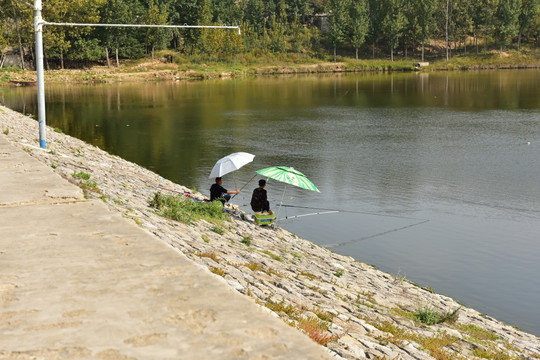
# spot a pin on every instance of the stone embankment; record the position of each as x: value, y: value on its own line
x: 355, y: 310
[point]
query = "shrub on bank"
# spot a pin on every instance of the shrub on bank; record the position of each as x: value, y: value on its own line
x: 180, y: 208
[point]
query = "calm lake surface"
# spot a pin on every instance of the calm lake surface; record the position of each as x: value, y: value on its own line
x: 440, y: 171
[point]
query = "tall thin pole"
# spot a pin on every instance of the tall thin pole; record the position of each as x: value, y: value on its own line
x: 38, y: 29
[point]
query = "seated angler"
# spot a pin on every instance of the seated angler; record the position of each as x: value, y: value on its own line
x: 259, y: 201
x: 218, y: 192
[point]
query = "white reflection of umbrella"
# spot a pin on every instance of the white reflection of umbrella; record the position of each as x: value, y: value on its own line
x: 230, y: 163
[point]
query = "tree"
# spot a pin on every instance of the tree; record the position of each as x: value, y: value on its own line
x: 186, y: 12
x: 376, y: 16
x: 359, y: 23
x: 507, y: 25
x: 426, y: 21
x: 58, y: 39
x: 526, y: 17
x: 393, y: 23
x: 338, y: 23
x: 117, y: 38
x: 155, y: 15
x: 461, y: 24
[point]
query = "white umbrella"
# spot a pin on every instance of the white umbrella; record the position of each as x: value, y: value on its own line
x: 230, y: 163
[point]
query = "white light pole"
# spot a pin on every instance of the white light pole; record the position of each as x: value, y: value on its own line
x: 38, y: 29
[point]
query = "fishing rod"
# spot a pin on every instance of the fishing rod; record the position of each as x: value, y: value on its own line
x: 310, y: 214
x: 333, y: 246
x: 352, y: 212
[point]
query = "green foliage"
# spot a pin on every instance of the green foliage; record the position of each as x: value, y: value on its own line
x: 270, y: 29
x: 477, y: 333
x: 338, y: 20
x: 81, y: 175
x: 339, y: 273
x: 218, y: 230
x: 217, y: 271
x: 272, y: 255
x: 185, y: 210
x: 246, y: 240
x: 393, y: 24
x: 430, y: 316
x: 359, y: 23
x: 6, y: 132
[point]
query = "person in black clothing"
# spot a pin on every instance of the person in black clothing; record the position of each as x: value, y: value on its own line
x: 218, y: 192
x: 259, y: 202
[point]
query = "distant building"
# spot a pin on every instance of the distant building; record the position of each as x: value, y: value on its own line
x: 322, y: 21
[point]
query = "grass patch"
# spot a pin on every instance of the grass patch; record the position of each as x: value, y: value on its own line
x: 218, y: 230
x: 339, y: 273
x: 492, y: 353
x: 6, y: 132
x: 90, y: 186
x: 253, y: 266
x: 323, y: 315
x: 272, y: 255
x: 430, y: 316
x: 281, y: 307
x: 209, y: 255
x: 205, y: 239
x: 310, y: 276
x: 317, y: 330
x: 433, y: 345
x: 218, y: 271
x: 477, y: 333
x: 185, y: 210
x: 58, y: 130
x: 81, y: 175
x: 246, y: 240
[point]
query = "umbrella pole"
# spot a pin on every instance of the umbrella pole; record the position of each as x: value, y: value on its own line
x: 281, y: 202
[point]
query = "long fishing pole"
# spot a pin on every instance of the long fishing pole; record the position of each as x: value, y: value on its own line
x: 310, y: 214
x: 332, y: 246
x: 352, y: 212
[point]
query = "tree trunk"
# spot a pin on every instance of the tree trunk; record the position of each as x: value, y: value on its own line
x: 117, y: 60
x: 373, y: 56
x: 446, y: 30
x: 153, y: 53
x: 107, y: 55
x: 500, y: 50
x: 2, y: 57
x: 476, y: 42
x: 405, y: 51
x: 46, y: 59
x: 392, y: 53
x: 422, y: 51
x: 21, y: 51
x: 33, y: 57
x: 519, y: 41
x: 335, y: 54
x: 356, y: 54
x: 62, y: 59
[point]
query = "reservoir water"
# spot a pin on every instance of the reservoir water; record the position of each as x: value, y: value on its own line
x: 439, y: 172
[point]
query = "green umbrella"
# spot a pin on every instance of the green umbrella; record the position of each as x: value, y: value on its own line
x: 288, y: 175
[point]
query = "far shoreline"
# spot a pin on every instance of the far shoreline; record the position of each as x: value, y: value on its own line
x: 182, y: 69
